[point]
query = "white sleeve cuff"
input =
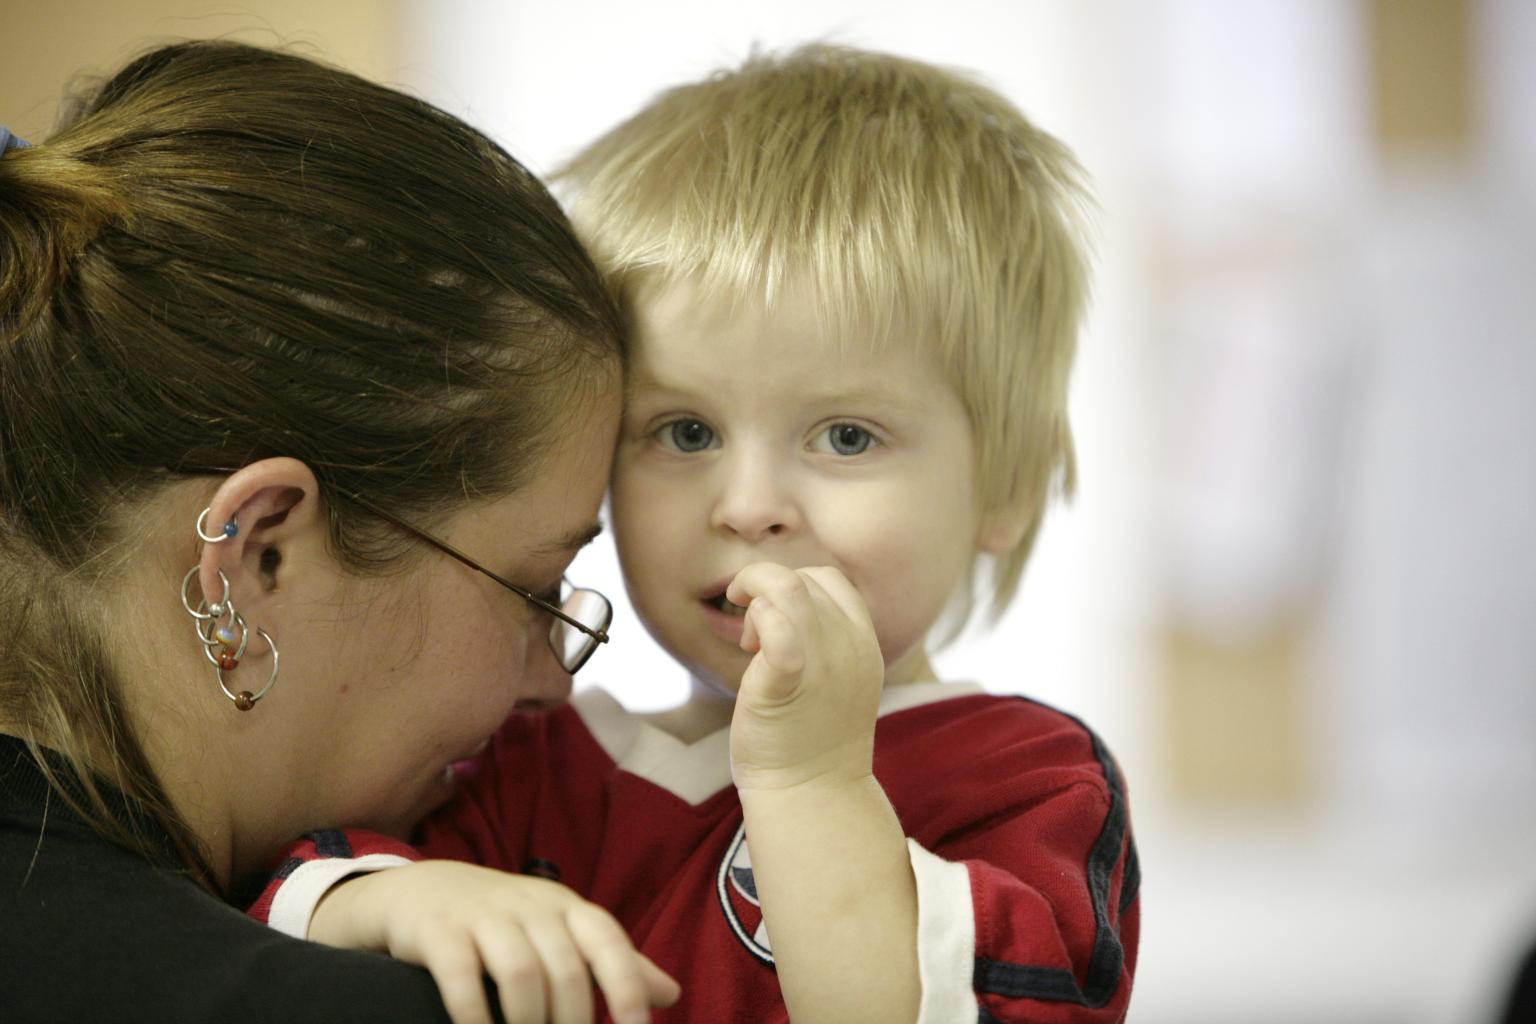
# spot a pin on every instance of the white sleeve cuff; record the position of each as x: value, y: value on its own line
x: 296, y: 899
x: 946, y: 938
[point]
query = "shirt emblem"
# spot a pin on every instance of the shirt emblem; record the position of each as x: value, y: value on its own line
x: 737, y: 890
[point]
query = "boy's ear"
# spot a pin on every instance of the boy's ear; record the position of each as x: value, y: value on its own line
x: 1003, y: 527
x: 271, y: 503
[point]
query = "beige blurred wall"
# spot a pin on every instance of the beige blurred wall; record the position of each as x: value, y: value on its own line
x: 46, y: 43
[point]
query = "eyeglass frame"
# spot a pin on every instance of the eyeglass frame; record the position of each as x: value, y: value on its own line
x: 600, y: 635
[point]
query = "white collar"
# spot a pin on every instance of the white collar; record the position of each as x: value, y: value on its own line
x: 696, y: 771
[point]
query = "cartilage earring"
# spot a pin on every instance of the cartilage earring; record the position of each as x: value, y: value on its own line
x: 229, y: 530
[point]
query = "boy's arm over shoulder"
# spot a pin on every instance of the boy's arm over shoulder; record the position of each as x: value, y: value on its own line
x: 1026, y: 870
x: 542, y: 944
x: 310, y: 866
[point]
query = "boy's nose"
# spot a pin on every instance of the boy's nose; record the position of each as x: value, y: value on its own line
x: 755, y: 504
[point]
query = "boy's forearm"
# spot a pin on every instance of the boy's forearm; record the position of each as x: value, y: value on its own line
x: 834, y: 877
x: 345, y: 915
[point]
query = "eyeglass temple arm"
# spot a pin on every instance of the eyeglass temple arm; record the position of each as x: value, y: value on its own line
x: 600, y: 635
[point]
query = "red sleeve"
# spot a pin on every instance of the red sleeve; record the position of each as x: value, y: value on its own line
x: 1057, y: 917
x: 330, y: 844
x: 1043, y: 924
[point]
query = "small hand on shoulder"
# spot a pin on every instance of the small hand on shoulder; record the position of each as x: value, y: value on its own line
x: 542, y: 944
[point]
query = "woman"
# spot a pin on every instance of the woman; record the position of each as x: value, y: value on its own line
x: 266, y: 331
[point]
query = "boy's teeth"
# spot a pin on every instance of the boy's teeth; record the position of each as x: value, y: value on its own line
x: 724, y: 604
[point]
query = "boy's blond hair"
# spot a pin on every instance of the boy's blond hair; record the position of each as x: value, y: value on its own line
x: 911, y: 200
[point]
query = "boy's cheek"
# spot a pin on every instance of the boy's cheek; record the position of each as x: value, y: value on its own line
x: 625, y: 458
x: 649, y: 534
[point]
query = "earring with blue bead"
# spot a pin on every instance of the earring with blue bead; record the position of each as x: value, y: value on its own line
x: 231, y: 529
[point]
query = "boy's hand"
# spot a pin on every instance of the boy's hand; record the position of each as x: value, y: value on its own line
x: 808, y: 700
x: 543, y: 945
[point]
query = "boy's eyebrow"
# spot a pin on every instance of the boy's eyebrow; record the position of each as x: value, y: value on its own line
x: 638, y: 378
x: 856, y: 395
x: 870, y: 395
x: 573, y: 541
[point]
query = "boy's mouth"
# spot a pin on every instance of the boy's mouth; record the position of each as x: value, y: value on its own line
x: 721, y: 603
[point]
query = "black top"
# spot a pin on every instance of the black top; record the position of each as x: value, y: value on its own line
x: 1521, y: 1007
x: 92, y: 932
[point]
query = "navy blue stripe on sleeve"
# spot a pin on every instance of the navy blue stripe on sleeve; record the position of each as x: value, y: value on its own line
x: 1054, y: 984
x: 330, y: 843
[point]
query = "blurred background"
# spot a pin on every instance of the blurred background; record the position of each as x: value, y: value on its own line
x: 1297, y: 591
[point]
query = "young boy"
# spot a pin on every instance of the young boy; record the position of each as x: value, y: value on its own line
x: 855, y: 283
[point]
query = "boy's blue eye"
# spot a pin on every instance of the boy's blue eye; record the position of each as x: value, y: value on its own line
x: 849, y: 438
x: 690, y: 435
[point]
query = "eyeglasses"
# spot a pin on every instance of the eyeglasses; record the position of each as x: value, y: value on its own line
x: 581, y: 618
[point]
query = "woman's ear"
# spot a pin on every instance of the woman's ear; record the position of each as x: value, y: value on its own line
x: 257, y: 514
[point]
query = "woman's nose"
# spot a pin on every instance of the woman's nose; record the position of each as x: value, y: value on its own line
x: 545, y: 685
x: 755, y: 501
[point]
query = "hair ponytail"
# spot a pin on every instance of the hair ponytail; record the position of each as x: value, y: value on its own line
x: 52, y: 206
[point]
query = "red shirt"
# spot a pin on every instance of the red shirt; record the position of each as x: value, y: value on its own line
x: 1016, y: 820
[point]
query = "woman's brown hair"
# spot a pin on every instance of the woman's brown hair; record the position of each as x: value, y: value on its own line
x: 227, y: 253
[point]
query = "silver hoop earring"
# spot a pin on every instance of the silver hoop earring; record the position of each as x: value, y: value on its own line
x: 230, y: 529
x: 244, y: 699
x: 204, y: 610
x: 225, y: 636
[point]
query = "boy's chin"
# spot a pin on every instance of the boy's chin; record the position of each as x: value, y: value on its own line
x: 708, y: 686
